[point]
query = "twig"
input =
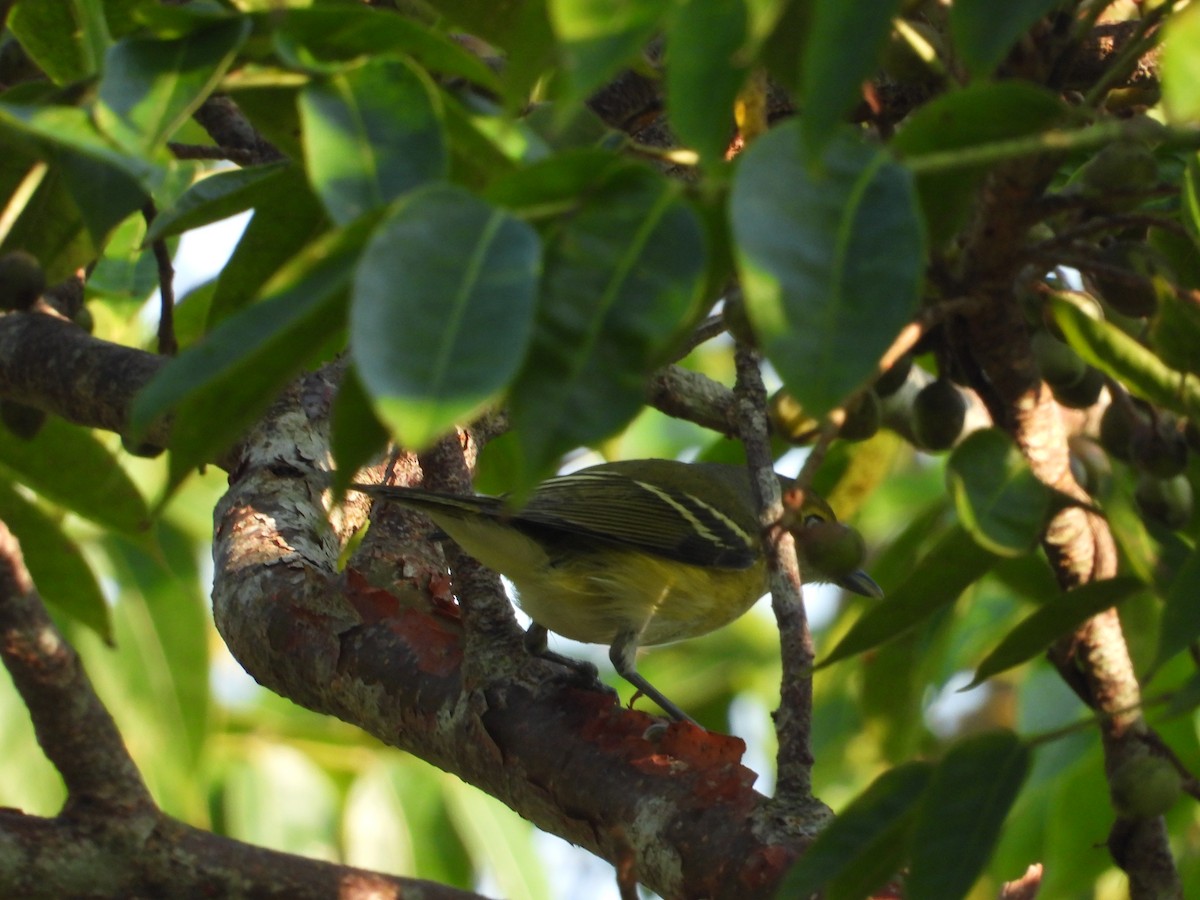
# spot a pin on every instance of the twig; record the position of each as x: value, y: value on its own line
x: 167, y: 344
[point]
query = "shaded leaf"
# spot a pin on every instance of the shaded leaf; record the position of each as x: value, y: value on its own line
x: 979, y: 114
x: 371, y: 133
x: 60, y: 573
x: 954, y: 563
x: 443, y: 310
x: 1181, y: 616
x: 217, y: 197
x: 150, y: 86
x: 356, y: 434
x: 866, y: 843
x: 832, y: 76
x: 1058, y: 616
x: 998, y: 498
x: 984, y: 32
x: 621, y: 283
x: 704, y: 74
x: 962, y: 812
x: 219, y: 386
x: 832, y: 266
x: 66, y: 464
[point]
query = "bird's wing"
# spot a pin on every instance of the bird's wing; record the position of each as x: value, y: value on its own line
x: 619, y: 509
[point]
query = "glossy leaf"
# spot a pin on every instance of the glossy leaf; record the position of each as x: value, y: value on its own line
x: 1055, y: 618
x: 984, y: 33
x: 443, y: 310
x: 219, y: 386
x: 832, y: 266
x: 69, y: 466
x: 937, y: 580
x: 962, y: 813
x: 621, y: 282
x: 998, y: 498
x: 833, y: 78
x: 150, y: 86
x: 371, y: 133
x: 1115, y: 353
x: 66, y: 38
x: 865, y: 845
x: 704, y: 74
x: 598, y: 37
x: 981, y: 113
x: 217, y: 197
x: 60, y: 573
x: 1181, y: 66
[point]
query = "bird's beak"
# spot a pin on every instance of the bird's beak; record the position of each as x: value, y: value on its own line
x: 860, y: 582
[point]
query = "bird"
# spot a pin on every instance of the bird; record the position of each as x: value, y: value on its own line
x: 637, y: 553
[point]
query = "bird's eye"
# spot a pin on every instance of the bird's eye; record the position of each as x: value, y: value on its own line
x: 813, y: 519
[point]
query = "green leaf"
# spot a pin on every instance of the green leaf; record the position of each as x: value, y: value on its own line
x: 1053, y: 619
x: 981, y: 113
x: 832, y: 73
x: 621, y: 283
x: 962, y: 812
x: 984, y: 32
x: 704, y: 74
x: 954, y: 563
x: 832, y: 266
x: 865, y: 844
x: 218, y: 387
x: 287, y: 218
x: 371, y: 133
x: 998, y: 498
x: 66, y: 38
x: 1175, y: 330
x: 443, y: 310
x: 348, y: 32
x: 151, y: 87
x: 66, y: 464
x: 218, y: 197
x: 1181, y: 66
x: 60, y: 573
x: 1181, y: 616
x: 557, y: 185
x: 1115, y: 353
x: 599, y: 38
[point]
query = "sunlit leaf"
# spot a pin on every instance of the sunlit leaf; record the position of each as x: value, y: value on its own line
x: 832, y: 266
x: 1181, y: 65
x: 217, y: 197
x: 371, y: 133
x: 443, y: 310
x: 66, y: 38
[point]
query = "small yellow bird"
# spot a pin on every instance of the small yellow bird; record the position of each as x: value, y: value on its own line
x: 638, y: 552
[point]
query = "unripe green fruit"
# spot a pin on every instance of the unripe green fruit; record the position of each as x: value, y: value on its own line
x: 863, y: 417
x: 893, y: 379
x: 1060, y: 365
x: 1159, y: 449
x: 789, y: 420
x: 1082, y: 393
x: 1117, y: 426
x: 1133, y: 295
x: 22, y: 280
x: 1089, y: 458
x: 939, y: 413
x: 1169, y: 502
x: 23, y: 421
x: 1145, y: 787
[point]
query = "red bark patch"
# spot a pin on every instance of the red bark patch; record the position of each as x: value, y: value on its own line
x: 436, y: 646
x: 373, y: 604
